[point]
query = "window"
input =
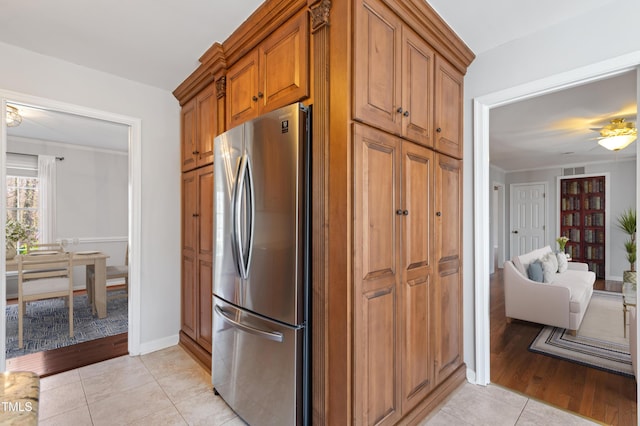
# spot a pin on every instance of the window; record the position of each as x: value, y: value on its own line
x: 23, y: 190
x: 23, y: 200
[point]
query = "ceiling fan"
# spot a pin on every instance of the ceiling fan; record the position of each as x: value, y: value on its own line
x: 618, y: 134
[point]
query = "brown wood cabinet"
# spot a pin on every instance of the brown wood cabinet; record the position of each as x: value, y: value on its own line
x: 393, y: 287
x: 197, y: 260
x: 448, y: 109
x: 395, y: 74
x: 274, y: 74
x: 385, y: 79
x: 447, y: 310
x: 198, y: 119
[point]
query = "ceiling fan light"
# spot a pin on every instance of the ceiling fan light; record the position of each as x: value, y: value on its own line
x: 616, y: 143
x: 13, y: 116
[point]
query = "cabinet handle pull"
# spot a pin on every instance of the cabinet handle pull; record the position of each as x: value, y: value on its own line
x: 438, y: 214
x: 439, y: 130
x: 399, y: 212
x: 260, y: 95
x: 406, y: 113
x: 196, y: 215
x: 405, y: 213
x: 254, y: 99
x: 399, y: 110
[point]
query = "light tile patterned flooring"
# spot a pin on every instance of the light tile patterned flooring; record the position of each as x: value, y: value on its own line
x: 169, y: 388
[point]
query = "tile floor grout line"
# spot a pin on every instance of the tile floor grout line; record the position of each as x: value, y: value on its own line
x: 86, y: 401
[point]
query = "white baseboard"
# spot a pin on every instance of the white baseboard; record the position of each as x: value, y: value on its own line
x: 158, y: 344
x: 471, y: 376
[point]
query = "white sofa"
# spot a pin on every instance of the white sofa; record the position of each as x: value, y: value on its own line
x: 562, y: 302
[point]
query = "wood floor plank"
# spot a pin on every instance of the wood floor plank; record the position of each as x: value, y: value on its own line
x: 606, y: 397
x: 60, y: 360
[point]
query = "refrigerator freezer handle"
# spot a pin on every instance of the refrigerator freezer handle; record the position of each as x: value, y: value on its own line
x: 270, y: 335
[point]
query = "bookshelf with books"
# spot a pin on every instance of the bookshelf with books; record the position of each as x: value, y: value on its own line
x: 582, y: 220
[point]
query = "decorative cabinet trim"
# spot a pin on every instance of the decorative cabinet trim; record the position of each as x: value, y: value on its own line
x: 221, y: 87
x: 319, y: 15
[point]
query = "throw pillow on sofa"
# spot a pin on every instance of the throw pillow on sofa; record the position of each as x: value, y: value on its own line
x: 535, y: 271
x: 549, y: 267
x: 563, y: 264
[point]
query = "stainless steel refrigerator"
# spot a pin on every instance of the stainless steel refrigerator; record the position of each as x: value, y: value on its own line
x: 260, y: 282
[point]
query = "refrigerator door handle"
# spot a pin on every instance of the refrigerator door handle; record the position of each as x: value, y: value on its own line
x: 237, y: 217
x: 252, y: 213
x: 270, y: 335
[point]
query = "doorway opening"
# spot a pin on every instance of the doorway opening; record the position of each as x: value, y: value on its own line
x: 482, y: 107
x: 95, y: 201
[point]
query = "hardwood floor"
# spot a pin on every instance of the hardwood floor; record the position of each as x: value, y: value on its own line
x: 68, y: 358
x: 605, y: 397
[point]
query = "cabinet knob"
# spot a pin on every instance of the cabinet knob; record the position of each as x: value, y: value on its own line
x: 439, y: 130
x: 399, y: 110
x: 406, y: 113
x: 405, y: 213
x: 515, y: 232
x: 260, y: 95
x: 196, y: 152
x: 399, y: 212
x: 254, y: 99
x: 438, y: 214
x: 196, y: 215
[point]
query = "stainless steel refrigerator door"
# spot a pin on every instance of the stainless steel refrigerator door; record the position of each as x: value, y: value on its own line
x: 228, y: 154
x: 257, y: 366
x: 274, y: 285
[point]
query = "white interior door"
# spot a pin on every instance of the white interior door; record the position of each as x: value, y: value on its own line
x: 528, y: 217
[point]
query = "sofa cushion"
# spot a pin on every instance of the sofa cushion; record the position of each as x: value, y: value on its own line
x: 522, y: 262
x: 549, y: 269
x: 580, y: 285
x: 563, y: 264
x: 535, y: 271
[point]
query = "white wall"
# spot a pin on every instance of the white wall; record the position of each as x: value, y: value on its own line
x: 589, y: 38
x: 33, y: 74
x: 622, y: 196
x: 91, y: 203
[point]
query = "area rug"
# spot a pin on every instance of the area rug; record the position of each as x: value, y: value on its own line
x: 600, y: 341
x: 46, y: 324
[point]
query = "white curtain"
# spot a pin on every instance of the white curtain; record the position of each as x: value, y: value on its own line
x: 47, y: 193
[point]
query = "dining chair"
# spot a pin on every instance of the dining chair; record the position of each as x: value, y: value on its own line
x: 113, y: 272
x: 44, y: 276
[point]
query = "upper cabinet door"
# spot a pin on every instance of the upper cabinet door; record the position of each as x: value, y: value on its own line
x: 448, y: 109
x: 206, y: 125
x: 188, y: 133
x: 242, y: 90
x: 284, y: 65
x: 417, y: 88
x: 377, y: 66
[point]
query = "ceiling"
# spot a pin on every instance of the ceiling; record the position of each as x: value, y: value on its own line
x: 158, y: 43
x: 557, y: 129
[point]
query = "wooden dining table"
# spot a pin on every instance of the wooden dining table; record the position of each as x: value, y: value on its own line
x: 96, y: 263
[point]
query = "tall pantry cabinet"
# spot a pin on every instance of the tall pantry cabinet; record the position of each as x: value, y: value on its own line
x: 384, y: 79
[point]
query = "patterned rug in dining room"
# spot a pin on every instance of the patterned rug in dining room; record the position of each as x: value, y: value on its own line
x: 46, y: 324
x: 600, y: 341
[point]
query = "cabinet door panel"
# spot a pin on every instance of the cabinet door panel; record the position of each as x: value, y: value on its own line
x: 189, y: 297
x: 205, y: 304
x: 376, y: 245
x: 378, y: 355
x: 205, y: 212
x: 416, y: 290
x: 377, y: 200
x: 189, y: 211
x: 206, y: 104
x: 242, y: 87
x: 284, y: 65
x: 417, y: 91
x: 448, y: 299
x: 448, y: 109
x: 188, y: 132
x: 377, y: 82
